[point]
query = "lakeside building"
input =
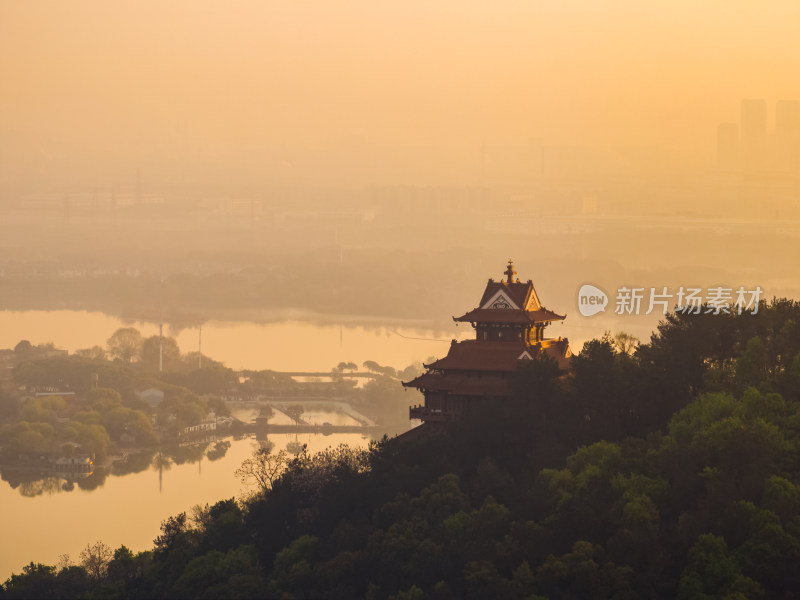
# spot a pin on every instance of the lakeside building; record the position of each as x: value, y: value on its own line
x: 81, y: 465
x: 152, y: 395
x: 509, y: 325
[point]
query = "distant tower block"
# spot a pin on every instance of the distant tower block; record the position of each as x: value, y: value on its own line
x: 728, y: 147
x: 787, y: 135
x: 754, y: 135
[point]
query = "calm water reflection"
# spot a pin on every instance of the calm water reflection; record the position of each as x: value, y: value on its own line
x: 281, y: 346
x: 42, y: 518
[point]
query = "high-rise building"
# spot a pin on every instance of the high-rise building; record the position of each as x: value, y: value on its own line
x: 754, y: 135
x: 787, y: 135
x: 728, y: 147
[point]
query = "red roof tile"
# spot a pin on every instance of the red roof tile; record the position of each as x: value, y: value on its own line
x: 522, y: 294
x: 479, y: 355
x: 500, y: 357
x: 489, y: 315
x: 463, y: 384
x: 558, y: 349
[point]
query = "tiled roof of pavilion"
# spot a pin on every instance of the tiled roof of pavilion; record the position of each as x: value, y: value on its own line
x: 523, y: 294
x: 463, y: 384
x: 478, y: 368
x: 509, y: 301
x: 479, y: 355
x: 500, y: 315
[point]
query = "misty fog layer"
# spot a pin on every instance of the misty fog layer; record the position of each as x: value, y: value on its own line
x: 201, y: 160
x: 249, y: 93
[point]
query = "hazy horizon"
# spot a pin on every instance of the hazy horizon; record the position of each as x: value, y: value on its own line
x: 382, y: 160
x: 212, y: 213
x: 98, y: 93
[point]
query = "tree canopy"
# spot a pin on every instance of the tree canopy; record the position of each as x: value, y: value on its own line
x: 125, y: 344
x: 666, y: 470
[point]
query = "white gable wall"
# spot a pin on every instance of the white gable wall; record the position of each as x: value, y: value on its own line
x: 500, y: 297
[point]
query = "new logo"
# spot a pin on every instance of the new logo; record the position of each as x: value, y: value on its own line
x: 591, y: 300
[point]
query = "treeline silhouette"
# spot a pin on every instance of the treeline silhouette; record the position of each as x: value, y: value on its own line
x: 663, y: 470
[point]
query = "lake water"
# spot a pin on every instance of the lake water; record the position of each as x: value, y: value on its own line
x: 280, y: 346
x: 40, y: 520
x: 292, y: 345
x: 44, y: 518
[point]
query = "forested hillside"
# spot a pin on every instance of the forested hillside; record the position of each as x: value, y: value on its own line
x: 661, y: 470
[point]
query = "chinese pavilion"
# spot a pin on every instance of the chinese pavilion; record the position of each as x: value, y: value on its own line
x: 509, y: 325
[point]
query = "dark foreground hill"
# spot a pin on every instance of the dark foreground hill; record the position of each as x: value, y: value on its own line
x: 669, y: 470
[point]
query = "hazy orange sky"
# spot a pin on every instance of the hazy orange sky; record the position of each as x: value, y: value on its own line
x: 100, y: 85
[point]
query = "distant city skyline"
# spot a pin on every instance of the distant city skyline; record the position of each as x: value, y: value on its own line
x: 272, y: 94
x: 751, y: 146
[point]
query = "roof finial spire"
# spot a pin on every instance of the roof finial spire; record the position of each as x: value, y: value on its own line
x: 510, y: 272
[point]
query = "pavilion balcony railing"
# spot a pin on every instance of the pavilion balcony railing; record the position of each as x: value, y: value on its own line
x: 424, y: 413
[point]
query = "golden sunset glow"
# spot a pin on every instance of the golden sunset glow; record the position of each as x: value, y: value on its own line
x: 362, y: 92
x: 399, y: 299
